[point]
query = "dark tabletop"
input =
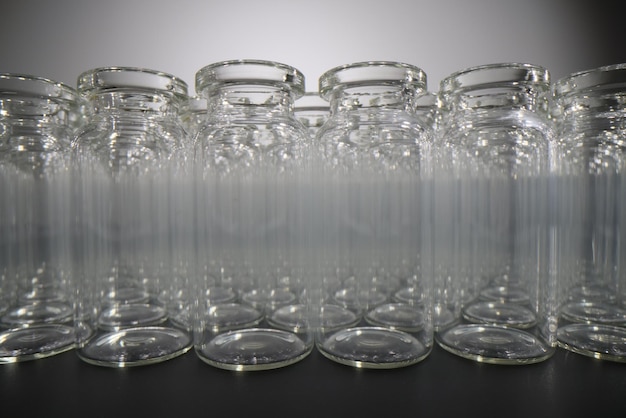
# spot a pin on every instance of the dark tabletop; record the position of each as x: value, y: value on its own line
x: 443, y: 385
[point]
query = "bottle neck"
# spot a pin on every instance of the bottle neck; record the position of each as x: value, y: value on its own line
x: 593, y: 106
x: 249, y: 101
x: 34, y: 132
x: 373, y: 99
x: 592, y: 138
x: 131, y: 130
x: 37, y: 112
x: 507, y: 98
x: 594, y: 127
x: 134, y: 104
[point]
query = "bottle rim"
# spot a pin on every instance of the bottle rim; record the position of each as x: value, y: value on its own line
x: 311, y: 101
x: 608, y: 76
x: 427, y: 99
x: 17, y: 84
x: 371, y: 73
x: 506, y: 73
x: 250, y: 72
x: 114, y: 78
x: 196, y: 103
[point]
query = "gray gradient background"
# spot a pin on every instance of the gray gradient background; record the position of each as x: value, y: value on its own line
x: 60, y: 39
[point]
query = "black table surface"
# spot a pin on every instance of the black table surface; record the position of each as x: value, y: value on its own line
x: 442, y: 385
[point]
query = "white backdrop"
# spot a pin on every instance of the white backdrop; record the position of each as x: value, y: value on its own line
x: 60, y: 39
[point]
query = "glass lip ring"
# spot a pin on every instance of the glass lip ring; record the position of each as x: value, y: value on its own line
x: 498, y: 74
x: 27, y: 85
x: 250, y: 72
x: 131, y: 78
x: 312, y: 101
x: 607, y: 77
x: 364, y: 73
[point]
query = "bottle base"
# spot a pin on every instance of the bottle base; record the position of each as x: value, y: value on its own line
x: 135, y: 347
x: 494, y: 344
x: 603, y: 342
x: 35, y: 342
x: 373, y: 348
x: 253, y: 349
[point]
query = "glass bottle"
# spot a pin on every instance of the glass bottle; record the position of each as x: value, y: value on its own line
x: 252, y: 299
x: 133, y: 307
x: 312, y: 111
x: 492, y: 218
x: 591, y: 111
x: 36, y: 283
x: 375, y: 285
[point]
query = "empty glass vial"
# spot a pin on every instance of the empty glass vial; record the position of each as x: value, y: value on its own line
x: 495, y: 297
x: 591, y: 109
x: 36, y: 293
x: 312, y: 111
x: 253, y: 309
x: 374, y: 296
x: 133, y: 306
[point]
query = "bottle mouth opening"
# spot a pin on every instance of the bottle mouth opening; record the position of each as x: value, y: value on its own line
x: 609, y: 77
x: 372, y: 73
x: 494, y: 75
x: 248, y: 72
x: 24, y: 85
x: 131, y: 78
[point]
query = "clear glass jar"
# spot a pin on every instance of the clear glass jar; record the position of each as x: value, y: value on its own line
x: 591, y: 109
x: 134, y: 303
x: 312, y: 111
x: 252, y: 299
x: 495, y: 288
x: 36, y: 283
x: 375, y: 285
